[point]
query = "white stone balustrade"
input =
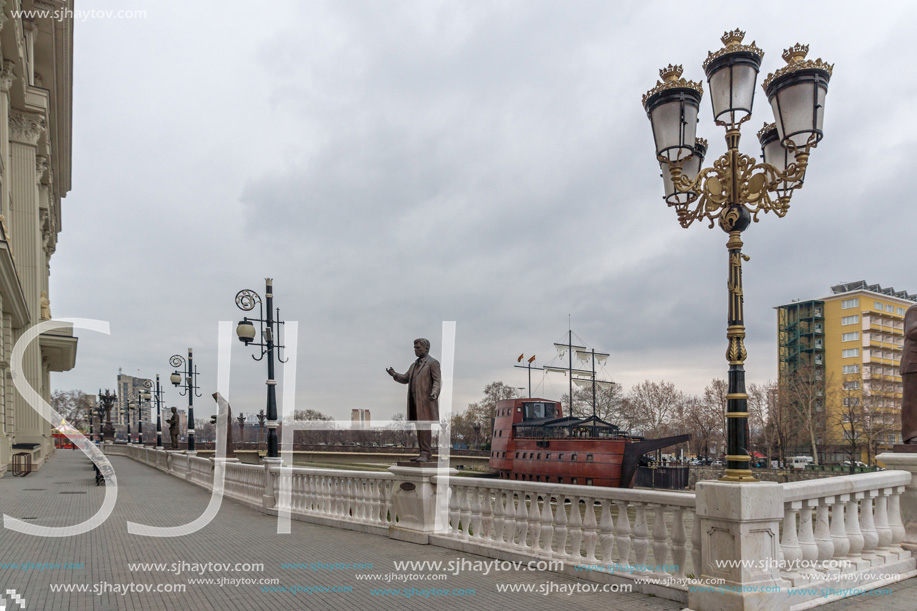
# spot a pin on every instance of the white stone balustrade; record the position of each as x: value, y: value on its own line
x: 857, y: 524
x: 608, y: 530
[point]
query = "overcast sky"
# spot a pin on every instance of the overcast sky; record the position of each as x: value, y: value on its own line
x: 395, y: 164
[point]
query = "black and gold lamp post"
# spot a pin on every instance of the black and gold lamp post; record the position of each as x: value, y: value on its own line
x: 246, y: 300
x: 107, y: 401
x: 190, y: 374
x: 737, y: 188
x: 156, y: 394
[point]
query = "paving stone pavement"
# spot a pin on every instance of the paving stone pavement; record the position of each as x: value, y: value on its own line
x: 64, y: 493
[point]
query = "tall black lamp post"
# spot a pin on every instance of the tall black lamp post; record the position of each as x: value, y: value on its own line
x: 190, y: 374
x: 246, y: 300
x: 157, y: 393
x: 737, y: 188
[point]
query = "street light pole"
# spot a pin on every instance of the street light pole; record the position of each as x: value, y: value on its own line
x: 736, y: 189
x: 158, y: 394
x: 246, y: 300
x: 190, y: 374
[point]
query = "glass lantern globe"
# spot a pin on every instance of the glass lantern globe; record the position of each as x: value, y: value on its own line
x: 731, y: 74
x: 797, y: 93
x: 672, y: 107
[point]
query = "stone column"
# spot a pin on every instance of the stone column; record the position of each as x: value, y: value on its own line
x: 740, y: 522
x: 26, y: 171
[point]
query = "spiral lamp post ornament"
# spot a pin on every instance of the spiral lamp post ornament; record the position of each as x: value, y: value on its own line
x: 246, y: 300
x: 190, y: 374
x: 737, y: 188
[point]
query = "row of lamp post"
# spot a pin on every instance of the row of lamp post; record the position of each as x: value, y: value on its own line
x: 185, y: 374
x: 737, y: 188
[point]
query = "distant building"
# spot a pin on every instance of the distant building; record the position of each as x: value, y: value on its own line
x: 360, y: 415
x: 851, y: 342
x: 129, y: 389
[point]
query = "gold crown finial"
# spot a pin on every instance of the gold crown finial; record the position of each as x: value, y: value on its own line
x: 732, y: 38
x: 671, y: 73
x: 796, y: 53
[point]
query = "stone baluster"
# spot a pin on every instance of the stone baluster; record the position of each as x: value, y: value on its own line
x: 547, y: 525
x: 679, y: 538
x: 576, y: 531
x: 696, y: 546
x: 894, y: 515
x: 465, y: 511
x: 375, y: 507
x: 535, y: 522
x: 606, y: 534
x: 823, y: 540
x: 454, y: 512
x: 622, y: 551
x: 522, y: 521
x: 883, y: 529
x: 487, y: 516
x: 560, y: 527
x: 660, y: 536
x: 388, y: 513
x: 509, y: 519
x: 867, y: 523
x: 590, y: 531
x: 792, y: 552
x: 853, y: 527
x: 477, y: 524
x: 839, y: 527
x: 498, y: 516
x: 641, y: 531
x: 807, y: 544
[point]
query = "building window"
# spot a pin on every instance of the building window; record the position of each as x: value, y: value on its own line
x: 539, y: 456
x: 588, y: 457
x: 880, y: 307
x: 849, y: 337
x: 851, y: 401
x: 900, y: 311
x: 560, y: 456
x: 588, y: 481
x: 573, y: 456
x: 547, y: 456
x: 574, y: 481
x: 889, y: 308
x: 850, y: 320
x: 892, y: 437
x: 850, y: 303
x: 851, y: 369
x: 851, y: 352
x: 851, y: 386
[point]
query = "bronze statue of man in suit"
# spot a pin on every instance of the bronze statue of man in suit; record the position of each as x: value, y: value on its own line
x: 909, y: 376
x: 424, y: 383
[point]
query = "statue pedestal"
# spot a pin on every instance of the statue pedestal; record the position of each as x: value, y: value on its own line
x: 906, y: 460
x: 414, y: 501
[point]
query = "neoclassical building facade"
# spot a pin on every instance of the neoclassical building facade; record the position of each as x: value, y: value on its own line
x: 35, y: 160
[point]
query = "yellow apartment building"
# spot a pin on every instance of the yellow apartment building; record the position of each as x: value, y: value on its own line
x: 847, y: 347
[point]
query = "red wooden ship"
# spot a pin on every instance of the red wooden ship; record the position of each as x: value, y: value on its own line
x: 533, y: 441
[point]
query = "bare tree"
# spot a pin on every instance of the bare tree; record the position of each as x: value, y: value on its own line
x: 704, y: 426
x: 653, y: 407
x: 803, y: 393
x: 758, y: 416
x: 74, y: 406
x: 850, y: 418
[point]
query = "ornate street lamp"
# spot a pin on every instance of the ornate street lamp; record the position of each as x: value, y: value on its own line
x: 190, y: 374
x: 157, y: 394
x: 261, y: 419
x: 736, y: 189
x: 246, y: 300
x: 108, y: 402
